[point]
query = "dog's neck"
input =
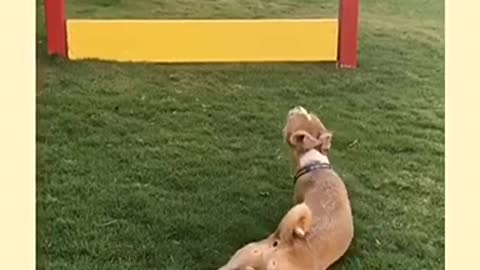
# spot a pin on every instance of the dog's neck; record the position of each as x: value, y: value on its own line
x: 311, y: 160
x: 312, y: 156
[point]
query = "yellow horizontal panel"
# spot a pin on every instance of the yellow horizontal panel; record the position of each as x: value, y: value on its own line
x: 173, y: 41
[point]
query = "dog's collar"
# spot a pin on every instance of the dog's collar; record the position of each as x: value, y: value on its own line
x: 317, y: 165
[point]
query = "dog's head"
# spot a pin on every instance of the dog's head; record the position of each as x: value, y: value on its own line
x: 304, y: 131
x: 274, y: 252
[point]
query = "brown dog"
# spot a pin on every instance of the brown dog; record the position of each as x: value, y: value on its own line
x: 319, y: 187
x: 318, y: 230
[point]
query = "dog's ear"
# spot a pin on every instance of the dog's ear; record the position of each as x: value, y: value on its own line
x: 303, y: 139
x: 295, y: 224
x: 325, y: 142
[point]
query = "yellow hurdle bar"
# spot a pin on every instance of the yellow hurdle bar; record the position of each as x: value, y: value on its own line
x: 176, y: 41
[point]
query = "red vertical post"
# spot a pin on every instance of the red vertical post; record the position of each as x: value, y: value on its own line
x: 348, y: 33
x: 56, y: 27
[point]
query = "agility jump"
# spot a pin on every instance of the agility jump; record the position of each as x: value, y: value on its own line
x: 206, y: 41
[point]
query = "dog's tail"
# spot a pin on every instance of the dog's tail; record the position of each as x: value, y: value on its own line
x: 296, y: 223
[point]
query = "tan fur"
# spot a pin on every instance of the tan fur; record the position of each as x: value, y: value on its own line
x: 296, y: 223
x: 281, y: 249
x: 318, y: 230
x: 305, y: 131
x: 323, y: 191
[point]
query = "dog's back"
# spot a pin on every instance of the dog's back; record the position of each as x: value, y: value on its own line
x: 332, y: 230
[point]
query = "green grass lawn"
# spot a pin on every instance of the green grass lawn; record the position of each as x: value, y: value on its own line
x: 176, y: 166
